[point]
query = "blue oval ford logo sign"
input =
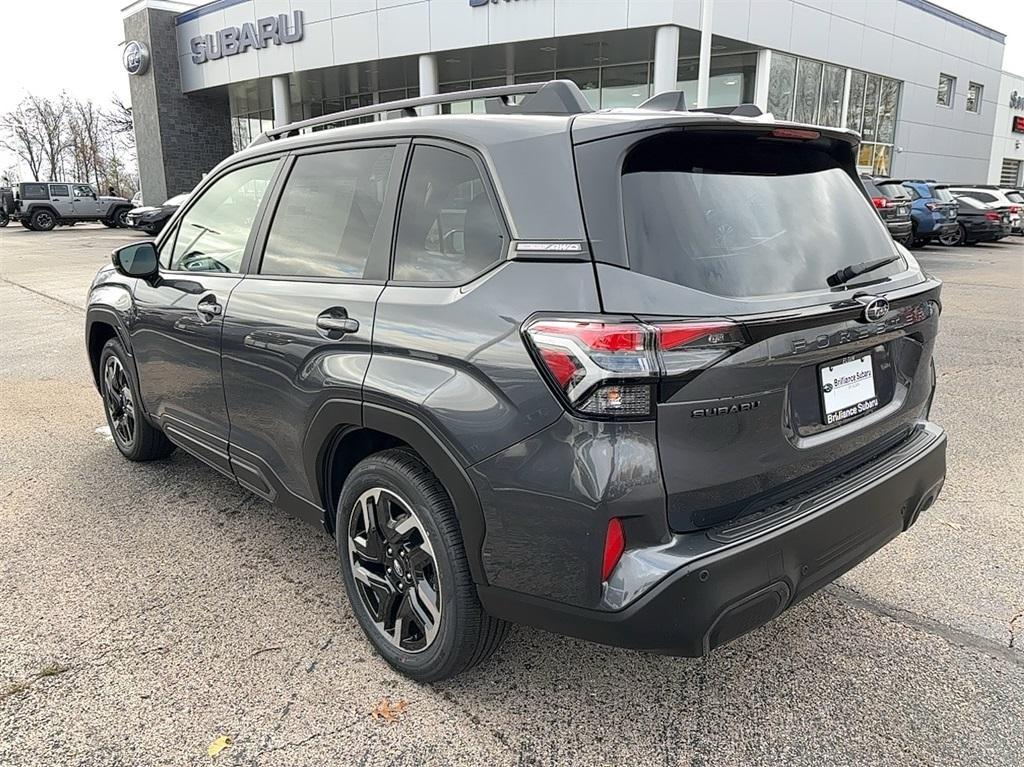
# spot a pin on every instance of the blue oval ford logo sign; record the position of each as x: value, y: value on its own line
x: 876, y: 309
x: 135, y: 57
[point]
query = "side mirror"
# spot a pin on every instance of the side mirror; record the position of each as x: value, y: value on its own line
x: 136, y: 260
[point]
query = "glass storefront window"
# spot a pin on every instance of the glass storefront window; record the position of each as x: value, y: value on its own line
x: 624, y: 86
x: 870, y: 108
x: 808, y: 91
x: 855, y: 113
x: 781, y: 82
x: 888, y: 101
x: 832, y: 88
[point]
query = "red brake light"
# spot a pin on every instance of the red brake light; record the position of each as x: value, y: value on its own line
x: 880, y: 202
x: 614, y: 545
x: 1014, y: 208
x: 992, y: 215
x: 607, y: 368
x: 797, y: 133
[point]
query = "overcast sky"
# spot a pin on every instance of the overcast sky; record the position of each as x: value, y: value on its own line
x: 83, y: 54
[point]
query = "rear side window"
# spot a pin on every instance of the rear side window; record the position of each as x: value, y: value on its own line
x: 979, y: 195
x: 34, y: 192
x: 59, y: 190
x: 448, y: 230
x: 744, y: 217
x: 912, y: 191
x: 213, y: 233
x: 329, y: 213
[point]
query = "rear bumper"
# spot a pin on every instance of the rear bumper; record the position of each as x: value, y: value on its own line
x: 899, y: 229
x: 681, y: 603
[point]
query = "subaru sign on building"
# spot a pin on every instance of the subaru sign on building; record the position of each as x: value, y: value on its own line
x: 920, y: 84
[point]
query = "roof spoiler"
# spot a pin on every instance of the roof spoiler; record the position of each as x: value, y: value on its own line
x: 554, y: 97
x: 675, y: 101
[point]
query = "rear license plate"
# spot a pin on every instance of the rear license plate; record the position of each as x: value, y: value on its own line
x: 902, y: 210
x: 847, y: 388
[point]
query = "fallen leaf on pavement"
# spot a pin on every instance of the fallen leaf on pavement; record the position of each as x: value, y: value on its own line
x: 388, y: 711
x: 954, y: 525
x: 219, y: 745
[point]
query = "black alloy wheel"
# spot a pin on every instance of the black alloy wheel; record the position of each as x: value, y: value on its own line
x: 43, y: 221
x: 395, y: 570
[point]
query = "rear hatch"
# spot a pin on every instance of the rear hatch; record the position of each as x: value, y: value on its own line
x: 943, y: 203
x: 893, y: 202
x: 738, y: 228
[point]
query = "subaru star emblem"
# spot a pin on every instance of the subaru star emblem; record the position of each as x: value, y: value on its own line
x: 875, y: 309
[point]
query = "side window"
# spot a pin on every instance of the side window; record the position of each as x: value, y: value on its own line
x: 912, y: 191
x: 448, y: 230
x: 59, y: 190
x: 82, y: 190
x: 329, y: 214
x: 212, y: 235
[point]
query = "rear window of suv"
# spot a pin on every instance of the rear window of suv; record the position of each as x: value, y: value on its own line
x: 893, y: 190
x: 745, y: 217
x: 942, y: 193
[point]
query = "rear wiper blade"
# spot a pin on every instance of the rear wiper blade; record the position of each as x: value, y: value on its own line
x: 847, y: 273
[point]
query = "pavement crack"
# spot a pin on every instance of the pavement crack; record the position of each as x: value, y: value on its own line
x: 47, y: 671
x: 47, y: 296
x: 931, y: 626
x: 1013, y: 627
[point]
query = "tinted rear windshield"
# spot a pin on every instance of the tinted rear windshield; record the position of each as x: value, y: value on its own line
x: 1015, y: 196
x: 893, y: 190
x: 746, y: 217
x: 941, y: 193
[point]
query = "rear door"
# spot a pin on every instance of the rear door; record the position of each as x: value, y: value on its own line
x: 297, y: 330
x: 772, y: 380
x: 60, y: 200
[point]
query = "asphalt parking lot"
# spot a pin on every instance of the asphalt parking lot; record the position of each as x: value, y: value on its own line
x: 148, y: 610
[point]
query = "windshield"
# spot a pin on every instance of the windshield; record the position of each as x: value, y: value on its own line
x: 739, y: 218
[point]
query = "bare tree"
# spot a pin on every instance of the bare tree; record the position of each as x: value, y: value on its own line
x: 119, y: 117
x: 51, y: 120
x: 19, y: 134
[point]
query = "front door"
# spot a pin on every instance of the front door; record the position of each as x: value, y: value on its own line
x: 60, y: 199
x: 298, y: 328
x: 176, y: 336
x: 84, y: 201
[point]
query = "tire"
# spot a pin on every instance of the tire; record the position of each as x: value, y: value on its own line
x: 120, y: 217
x: 25, y: 223
x: 135, y: 437
x: 396, y: 526
x: 108, y: 223
x: 42, y: 220
x: 4, y: 219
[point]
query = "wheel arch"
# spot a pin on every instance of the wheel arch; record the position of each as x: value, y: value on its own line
x: 335, y: 444
x: 101, y: 325
x: 48, y: 208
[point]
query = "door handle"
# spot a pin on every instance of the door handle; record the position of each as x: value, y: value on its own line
x: 207, y: 307
x: 335, y: 323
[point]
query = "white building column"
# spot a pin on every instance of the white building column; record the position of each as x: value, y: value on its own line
x: 428, y: 80
x: 704, y: 65
x: 762, y: 77
x: 666, y: 59
x: 282, y: 101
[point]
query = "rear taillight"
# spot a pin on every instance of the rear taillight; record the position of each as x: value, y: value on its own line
x: 992, y: 215
x: 931, y: 206
x: 607, y: 369
x: 1014, y: 209
x: 880, y: 202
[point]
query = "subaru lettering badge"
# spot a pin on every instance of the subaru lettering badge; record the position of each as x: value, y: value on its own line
x: 135, y: 58
x: 875, y: 309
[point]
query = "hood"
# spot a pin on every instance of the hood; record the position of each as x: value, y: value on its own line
x: 143, y: 210
x: 107, y: 198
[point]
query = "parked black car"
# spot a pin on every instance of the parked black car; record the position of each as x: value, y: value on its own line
x: 541, y: 366
x: 892, y: 202
x: 978, y: 222
x: 152, y: 219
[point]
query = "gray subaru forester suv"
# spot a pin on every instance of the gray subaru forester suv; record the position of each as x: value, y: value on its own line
x: 643, y: 376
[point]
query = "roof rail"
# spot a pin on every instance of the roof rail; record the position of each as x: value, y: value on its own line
x: 555, y: 97
x: 675, y: 101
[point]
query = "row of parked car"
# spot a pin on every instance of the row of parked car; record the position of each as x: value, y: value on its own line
x: 917, y: 211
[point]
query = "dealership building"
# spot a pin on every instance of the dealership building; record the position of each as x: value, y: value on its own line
x: 923, y: 86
